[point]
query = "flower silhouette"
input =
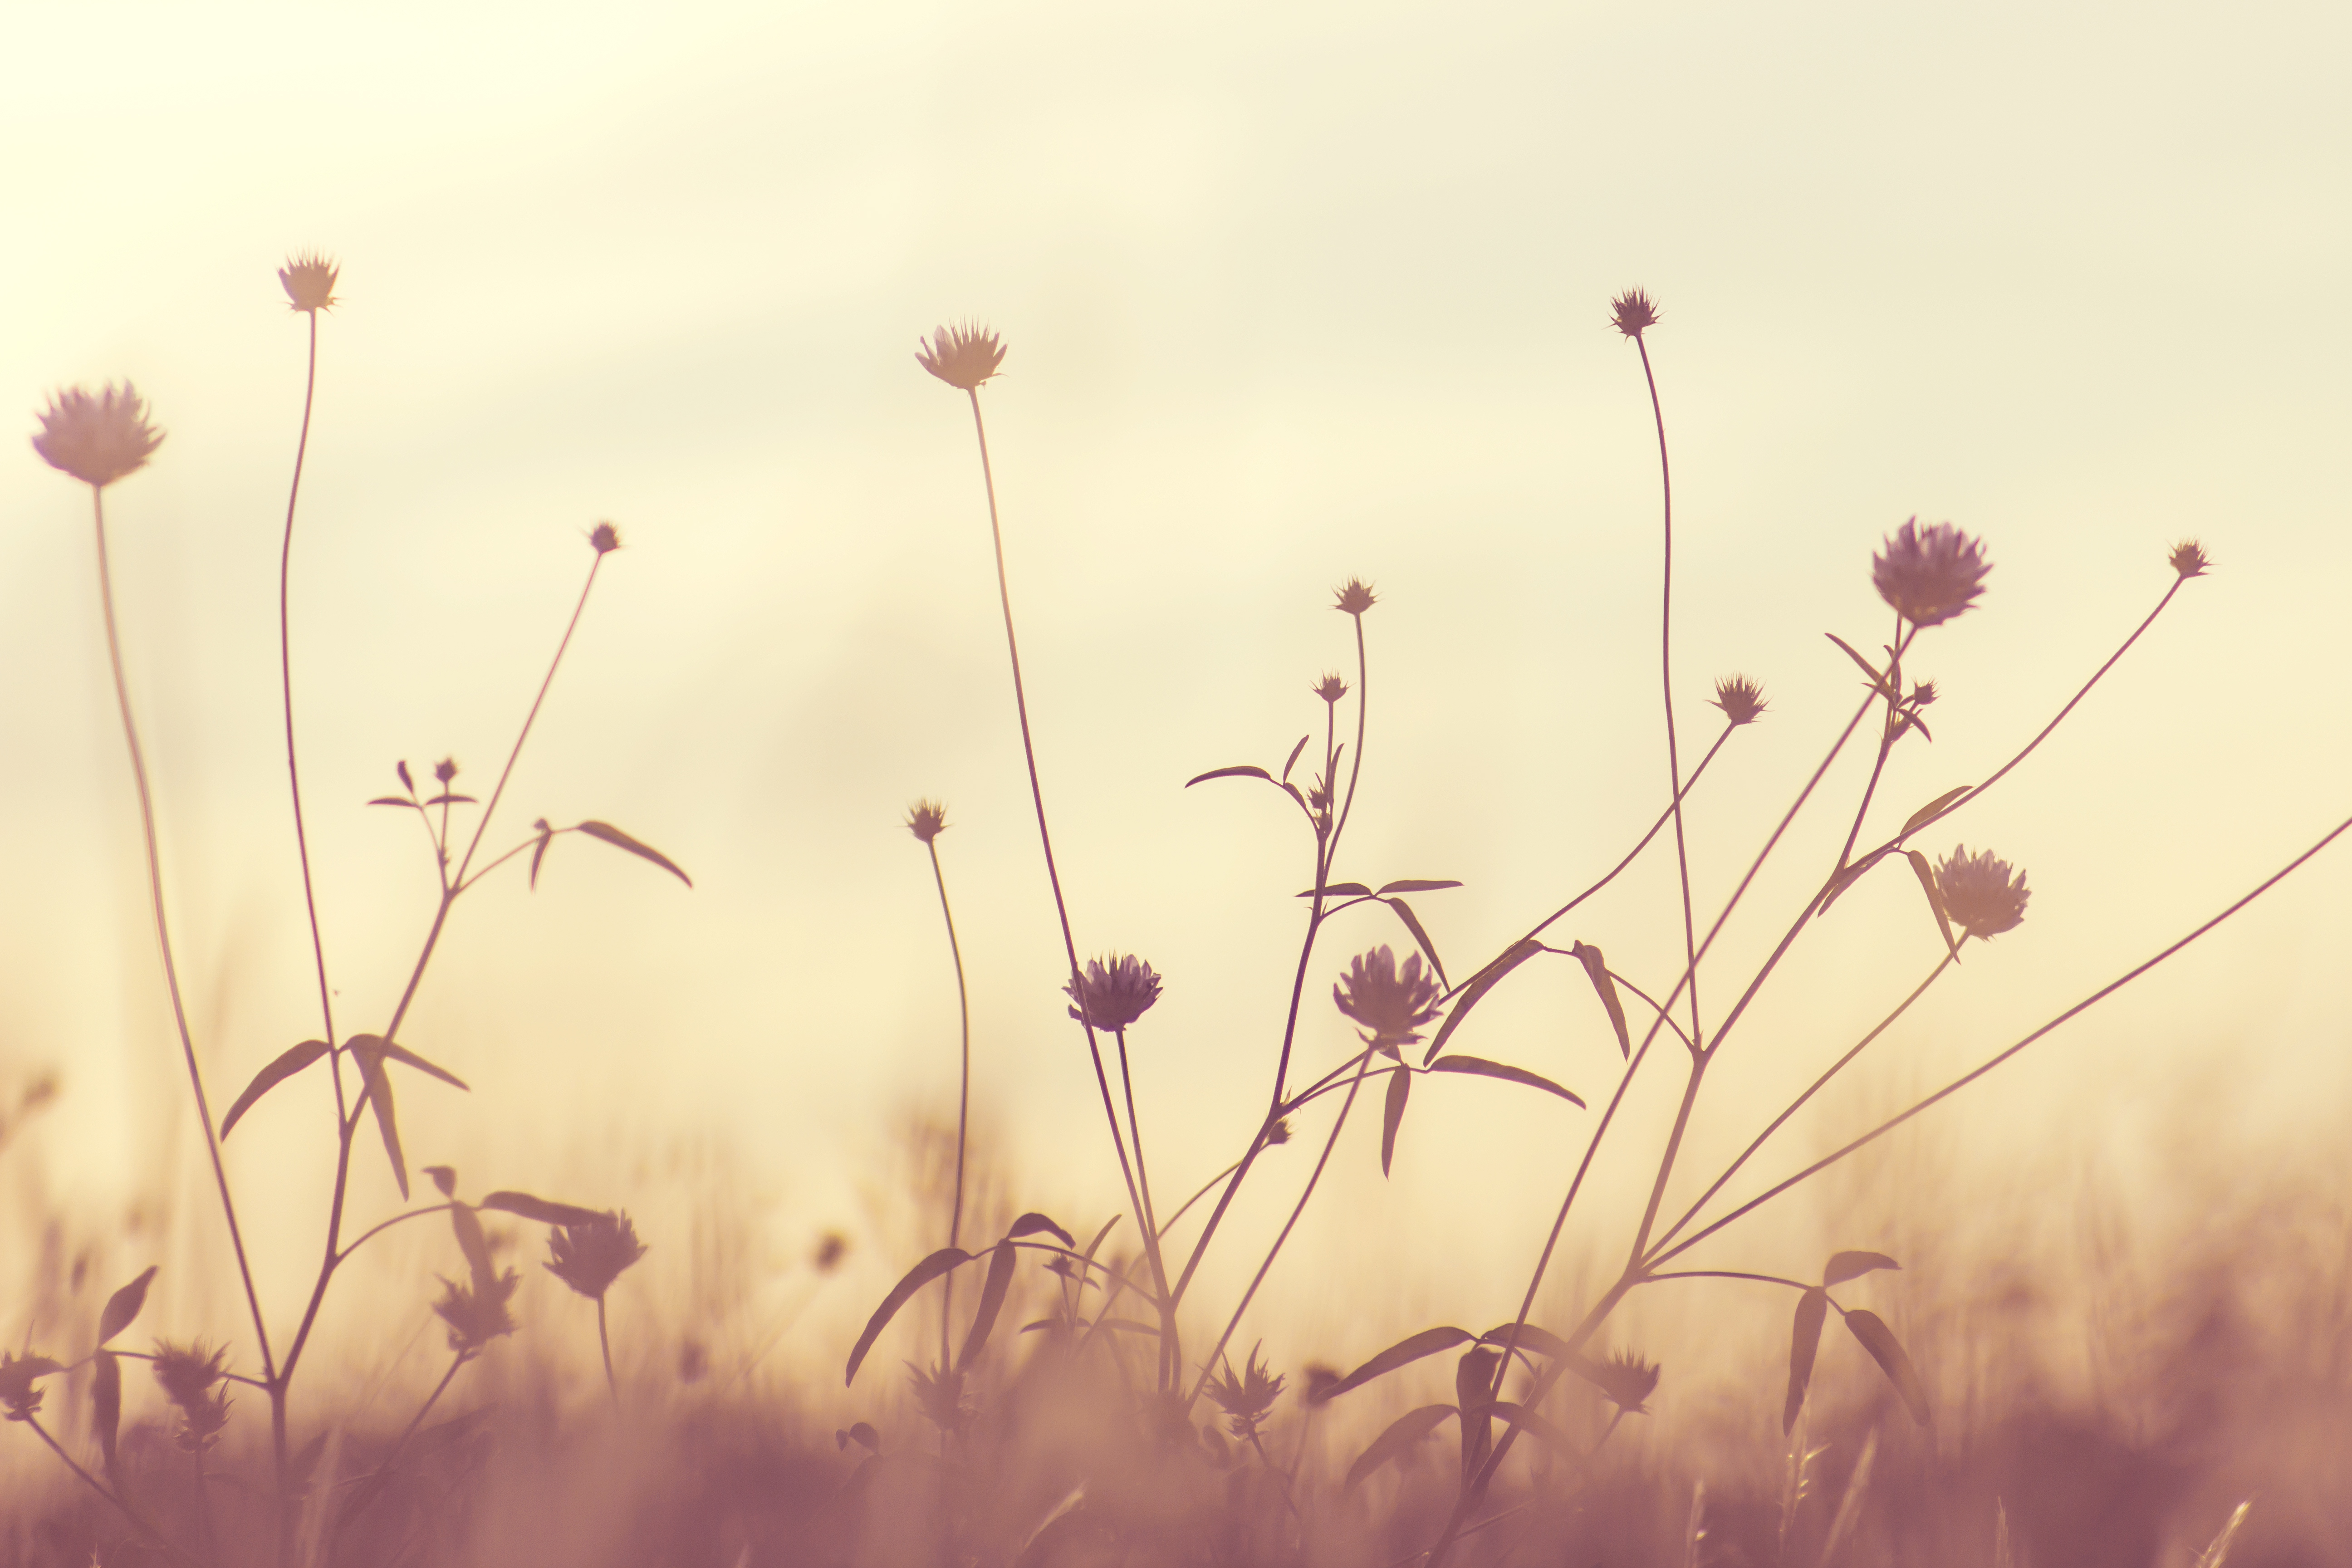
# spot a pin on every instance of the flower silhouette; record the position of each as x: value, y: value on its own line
x: 2188, y: 559
x: 961, y: 356
x: 1930, y: 575
x: 1354, y: 596
x: 1633, y: 312
x: 1980, y: 893
x: 1246, y: 1398
x: 97, y: 439
x: 589, y: 1255
x: 1392, y: 1003
x: 308, y: 279
x: 927, y: 819
x: 1114, y: 995
x: 477, y: 1314
x: 1740, y: 698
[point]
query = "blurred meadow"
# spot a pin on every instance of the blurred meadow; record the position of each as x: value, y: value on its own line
x: 1290, y: 295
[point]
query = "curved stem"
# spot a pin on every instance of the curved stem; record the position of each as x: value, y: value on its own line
x: 286, y: 685
x: 373, y: 1230
x: 605, y: 1343
x: 1666, y: 674
x: 963, y: 1093
x: 138, y: 1521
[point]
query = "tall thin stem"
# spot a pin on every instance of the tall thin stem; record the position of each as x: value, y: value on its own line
x: 286, y: 684
x: 963, y: 1093
x: 605, y: 1343
x: 1666, y: 674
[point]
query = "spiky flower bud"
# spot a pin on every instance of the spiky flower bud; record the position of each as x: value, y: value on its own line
x: 1931, y: 575
x: 97, y: 439
x: 605, y: 537
x: 1330, y: 688
x: 1246, y: 1399
x: 589, y: 1255
x: 193, y: 1377
x: 927, y: 819
x: 1392, y: 1002
x: 1354, y: 596
x: 1627, y: 1380
x: 1740, y: 698
x: 2188, y: 559
x: 1980, y: 893
x: 445, y: 769
x: 1114, y: 995
x: 18, y: 1397
x: 476, y: 1312
x: 962, y: 356
x: 308, y: 279
x: 1633, y: 312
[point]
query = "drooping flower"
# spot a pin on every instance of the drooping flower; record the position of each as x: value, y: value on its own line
x: 1246, y: 1398
x: 18, y: 1397
x: 1980, y: 893
x: 1392, y: 1003
x: 2188, y: 559
x: 927, y: 819
x: 476, y: 1312
x: 963, y: 355
x: 1633, y: 312
x: 1740, y: 698
x: 308, y: 279
x: 97, y: 439
x: 1354, y: 596
x: 1330, y: 688
x: 605, y: 537
x: 1113, y: 995
x: 193, y: 1380
x: 589, y: 1255
x: 1626, y: 1379
x: 1930, y: 575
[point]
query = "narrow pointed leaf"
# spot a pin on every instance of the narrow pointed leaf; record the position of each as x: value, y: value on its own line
x: 1846, y: 1265
x: 1543, y: 1341
x: 1429, y: 1341
x: 1486, y: 980
x: 1030, y: 1223
x: 452, y: 800
x: 1392, y: 1114
x: 1505, y: 1071
x: 1535, y: 1426
x: 1402, y: 1434
x: 922, y: 1274
x: 1416, y: 885
x: 1342, y: 890
x: 1412, y: 924
x: 1604, y: 985
x: 991, y: 1302
x: 474, y: 1244
x: 395, y: 800
x: 1877, y: 681
x: 1934, y: 899
x: 405, y: 782
x: 539, y: 850
x: 1096, y: 1244
x: 1804, y: 1344
x: 539, y: 1209
x: 1293, y: 753
x: 620, y: 841
x: 1245, y: 770
x: 368, y: 1051
x: 122, y: 1307
x: 290, y: 1062
x: 1847, y: 879
x: 106, y: 1402
x: 407, y: 1058
x: 1880, y: 1341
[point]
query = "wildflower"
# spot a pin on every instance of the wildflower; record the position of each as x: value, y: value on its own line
x: 1922, y: 692
x: 97, y: 439
x: 961, y: 356
x: 2188, y: 559
x: 308, y: 279
x: 605, y: 537
x: 1116, y: 995
x: 1632, y: 313
x: 18, y: 1394
x: 1390, y: 1003
x: 445, y: 769
x: 1355, y: 596
x: 1279, y: 1133
x: 1626, y: 1379
x: 1246, y: 1399
x: 940, y: 1396
x: 1980, y: 893
x: 926, y: 820
x: 589, y: 1255
x: 191, y: 1378
x: 1740, y: 698
x: 477, y: 1314
x: 1331, y: 688
x: 1931, y: 576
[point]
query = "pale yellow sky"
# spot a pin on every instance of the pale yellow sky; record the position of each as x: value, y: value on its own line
x: 1291, y: 293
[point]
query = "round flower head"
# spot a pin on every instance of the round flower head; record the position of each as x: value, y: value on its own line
x: 961, y: 356
x: 18, y: 1397
x: 190, y: 1375
x: 589, y: 1255
x: 1980, y: 893
x: 1627, y: 1380
x: 605, y: 537
x: 1740, y: 698
x: 1114, y: 995
x: 1331, y: 688
x: 927, y: 819
x: 1392, y: 1002
x: 1354, y: 596
x: 477, y: 1314
x: 97, y: 439
x: 2188, y: 559
x: 1632, y: 313
x: 308, y: 279
x: 1931, y: 575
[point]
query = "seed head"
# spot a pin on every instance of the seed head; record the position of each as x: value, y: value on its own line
x: 1246, y: 1399
x: 605, y: 537
x: 1392, y: 1003
x: 308, y: 279
x: 1354, y: 596
x: 1740, y: 698
x: 1114, y: 995
x: 1980, y: 893
x: 97, y: 439
x: 589, y: 1255
x: 1627, y: 1380
x: 1930, y: 576
x: 192, y: 1377
x: 1633, y: 312
x: 963, y: 355
x: 927, y: 819
x: 1279, y: 1133
x: 18, y: 1397
x: 477, y: 1314
x: 1331, y: 688
x: 2188, y: 559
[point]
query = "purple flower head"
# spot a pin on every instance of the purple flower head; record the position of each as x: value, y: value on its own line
x: 1930, y: 575
x: 1114, y: 995
x: 1392, y: 1003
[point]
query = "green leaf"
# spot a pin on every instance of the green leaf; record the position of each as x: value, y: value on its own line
x: 474, y: 1244
x: 368, y: 1051
x: 1402, y: 1434
x: 106, y: 1401
x: 1804, y: 1344
x: 1414, y: 885
x: 539, y: 1209
x: 1486, y: 980
x: 1032, y: 1223
x: 620, y: 841
x: 1392, y: 1114
x: 1244, y: 771
x: 1508, y: 1074
x: 1342, y: 890
x: 991, y: 1302
x: 1429, y: 1341
x: 291, y: 1061
x: 1604, y: 985
x: 922, y: 1274
x: 1846, y: 1265
x: 1929, y: 812
x: 122, y: 1307
x: 1412, y: 924
x: 1934, y: 899
x: 1880, y: 1341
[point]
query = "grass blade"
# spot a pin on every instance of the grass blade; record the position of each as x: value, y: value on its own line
x: 539, y: 1209
x: 1804, y: 1344
x: 1402, y: 1434
x: 620, y: 841
x: 1405, y: 1351
x: 1486, y: 980
x: 368, y: 1051
x: 991, y: 1302
x: 290, y: 1062
x: 1412, y: 924
x: 1508, y: 1074
x: 1880, y: 1341
x: 1392, y: 1114
x: 1934, y: 899
x: 922, y: 1274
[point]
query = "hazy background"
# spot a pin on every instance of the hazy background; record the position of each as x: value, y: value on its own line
x: 1291, y: 293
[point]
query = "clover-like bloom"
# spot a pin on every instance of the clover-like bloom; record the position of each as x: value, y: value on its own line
x: 477, y: 1314
x: 927, y: 819
x: 18, y: 1397
x: 1930, y: 575
x: 1983, y: 896
x: 1247, y: 1398
x: 1392, y: 1002
x: 1627, y: 1380
x: 963, y: 355
x: 2188, y: 559
x: 604, y: 538
x: 193, y: 1379
x: 1354, y: 596
x: 1330, y: 688
x: 589, y: 1255
x: 1632, y: 313
x: 98, y: 438
x: 308, y: 279
x: 1114, y: 995
x: 1740, y: 698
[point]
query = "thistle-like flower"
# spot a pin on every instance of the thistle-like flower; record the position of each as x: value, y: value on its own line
x: 1980, y: 893
x: 2188, y: 559
x: 1740, y: 698
x: 193, y: 1379
x: 1354, y: 596
x: 18, y: 1397
x: 476, y: 1312
x: 939, y: 1395
x: 308, y: 279
x: 927, y: 819
x: 445, y: 770
x: 1930, y: 575
x: 98, y: 438
x: 589, y: 1255
x: 1279, y: 1133
x: 1330, y: 688
x: 1113, y: 995
x: 1627, y: 1380
x: 1246, y: 1399
x: 604, y: 538
x: 1392, y: 1003
x: 1633, y: 312
x: 963, y: 355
